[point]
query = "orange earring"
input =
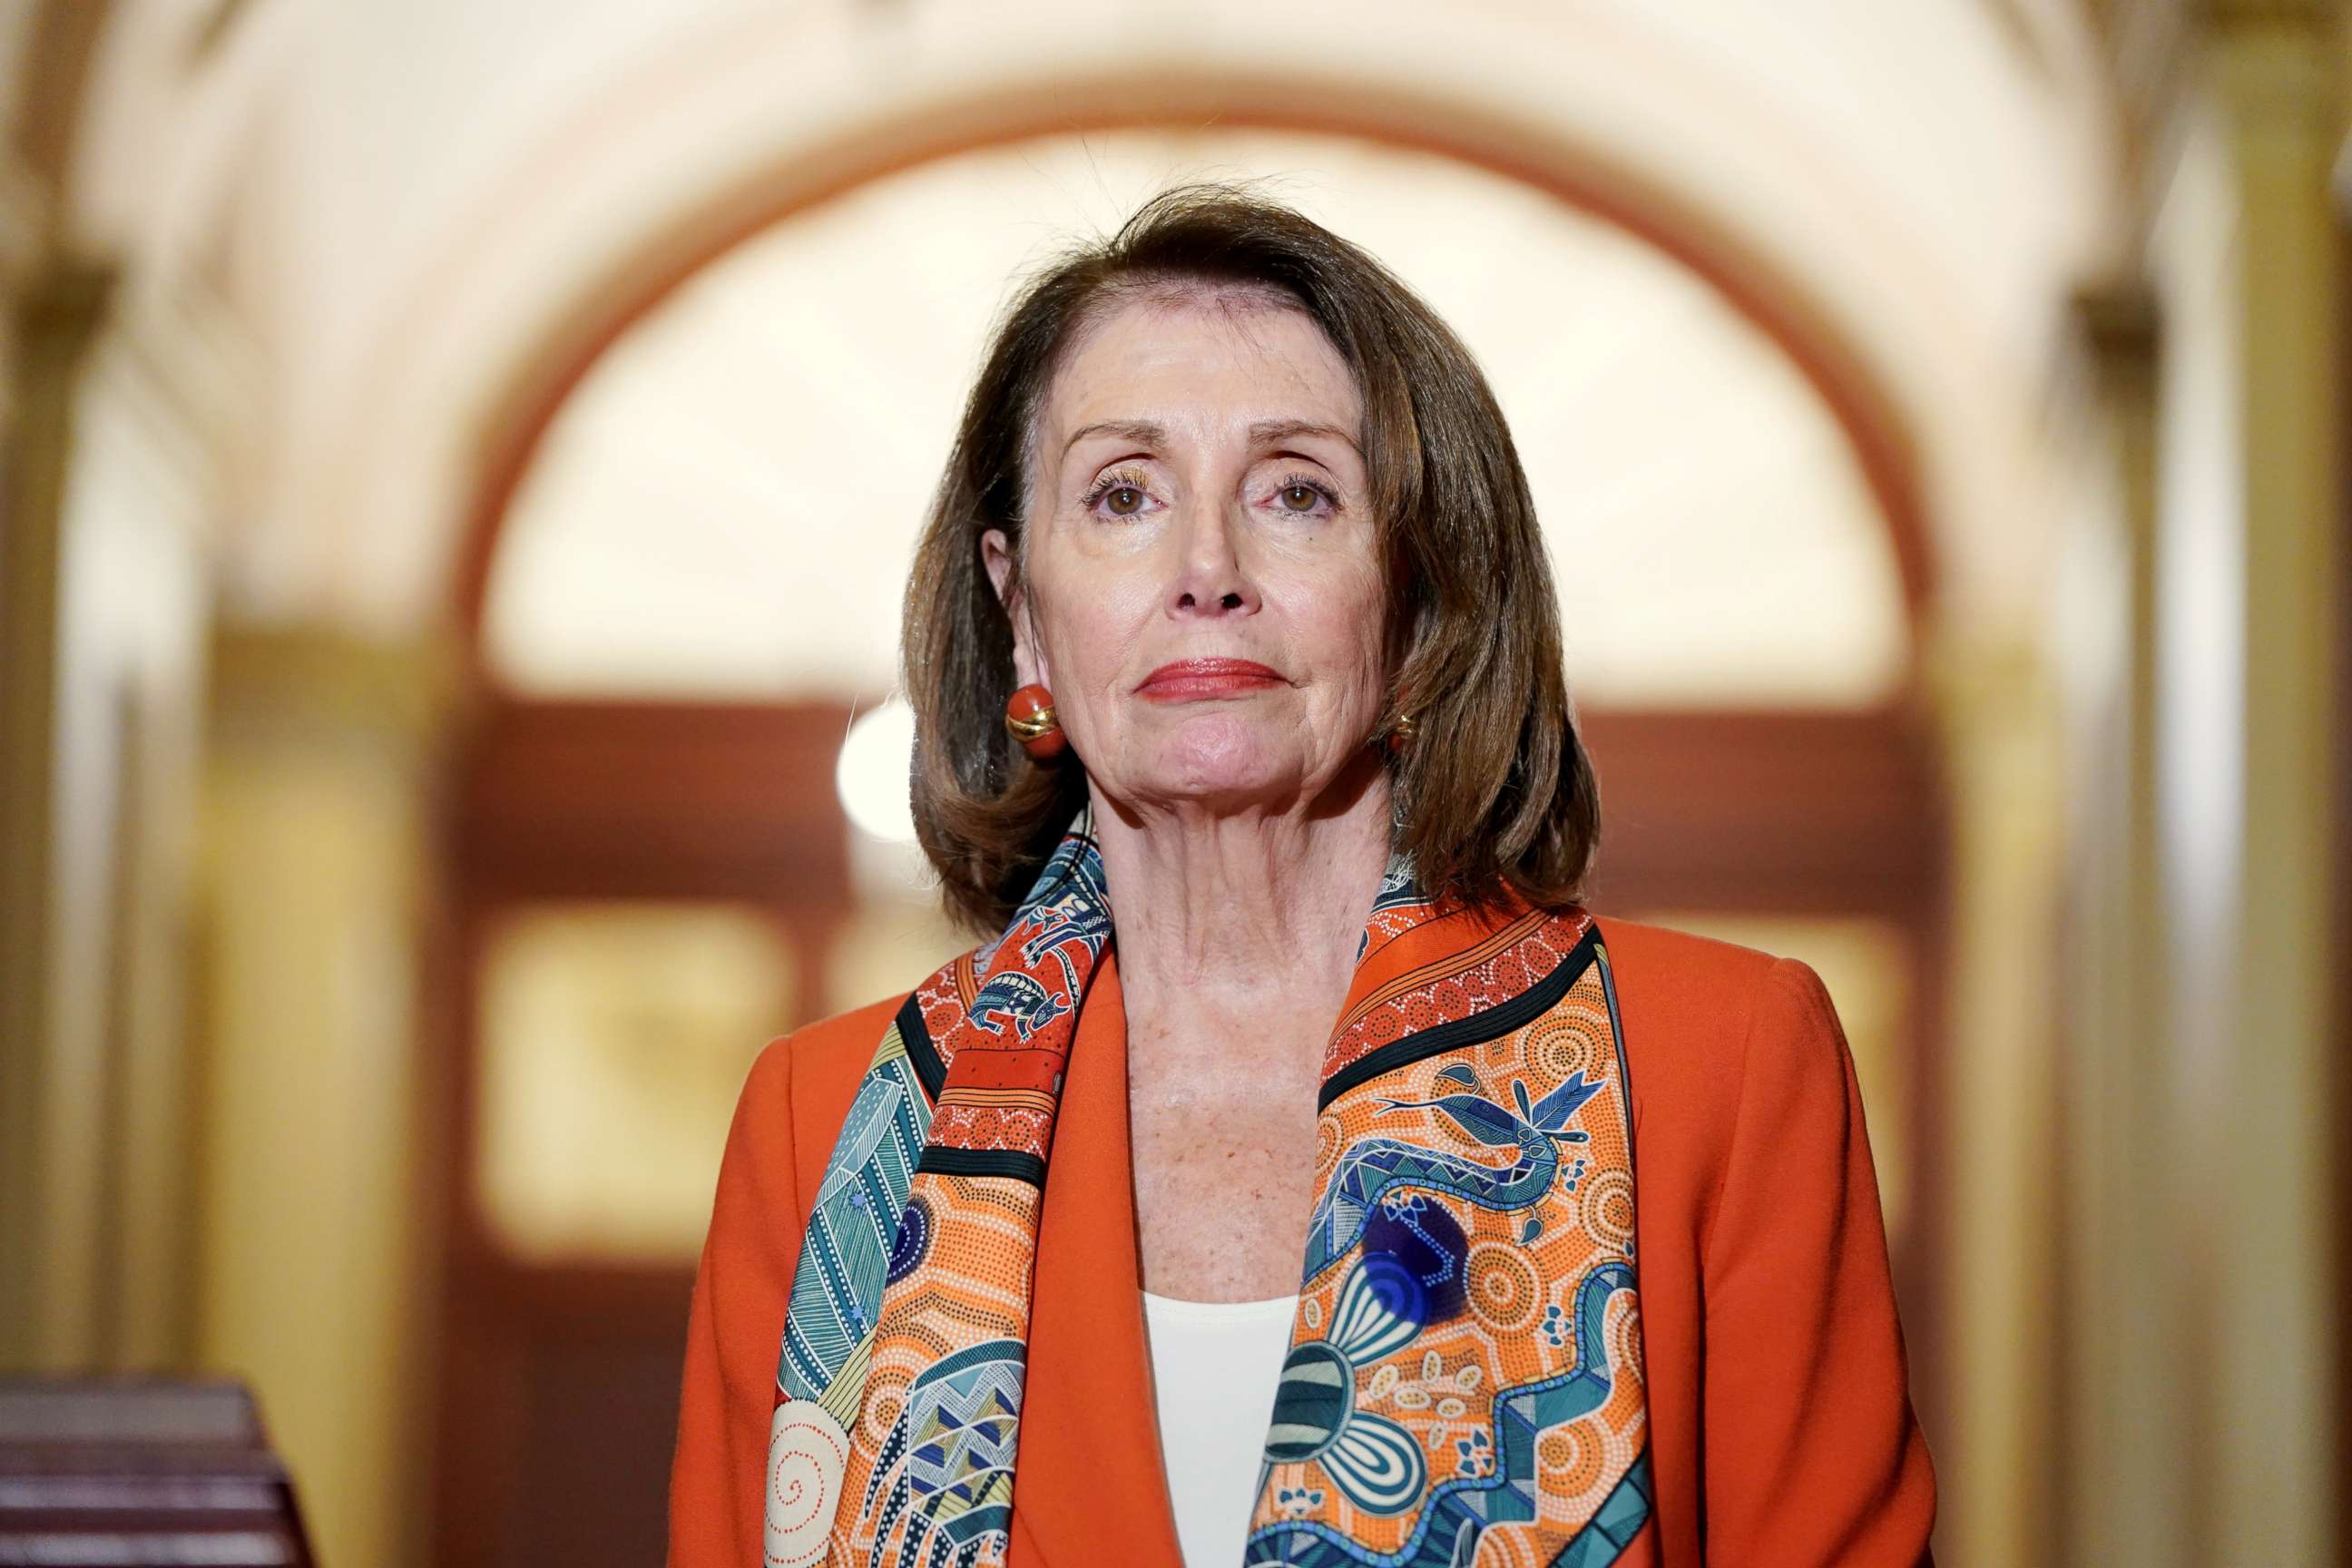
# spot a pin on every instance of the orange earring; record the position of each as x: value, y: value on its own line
x: 1029, y: 719
x: 1402, y: 732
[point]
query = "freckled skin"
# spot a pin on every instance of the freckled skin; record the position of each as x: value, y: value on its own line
x: 1244, y: 833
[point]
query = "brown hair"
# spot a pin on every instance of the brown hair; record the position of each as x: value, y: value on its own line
x: 1497, y: 796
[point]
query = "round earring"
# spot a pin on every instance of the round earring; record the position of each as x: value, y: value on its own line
x: 1029, y: 719
x: 1401, y: 734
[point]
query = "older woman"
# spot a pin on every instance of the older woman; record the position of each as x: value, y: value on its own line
x: 1264, y: 1189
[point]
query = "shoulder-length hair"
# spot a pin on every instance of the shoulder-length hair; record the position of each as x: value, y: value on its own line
x: 1496, y: 798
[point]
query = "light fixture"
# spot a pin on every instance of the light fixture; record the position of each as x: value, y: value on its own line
x: 872, y: 773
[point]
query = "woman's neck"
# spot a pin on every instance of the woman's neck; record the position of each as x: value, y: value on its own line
x: 1228, y: 912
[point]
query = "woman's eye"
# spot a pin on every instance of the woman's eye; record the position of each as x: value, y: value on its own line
x: 1304, y: 497
x: 1121, y: 495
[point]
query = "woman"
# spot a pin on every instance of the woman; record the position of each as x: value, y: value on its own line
x: 1242, y: 732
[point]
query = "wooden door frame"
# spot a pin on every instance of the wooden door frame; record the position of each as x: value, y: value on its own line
x: 594, y: 800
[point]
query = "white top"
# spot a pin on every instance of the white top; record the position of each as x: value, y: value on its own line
x: 1214, y: 1365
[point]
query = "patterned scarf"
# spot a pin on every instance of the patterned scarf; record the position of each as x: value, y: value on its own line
x: 1467, y: 1360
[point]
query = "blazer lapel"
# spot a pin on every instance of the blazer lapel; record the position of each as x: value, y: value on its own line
x: 1089, y: 1472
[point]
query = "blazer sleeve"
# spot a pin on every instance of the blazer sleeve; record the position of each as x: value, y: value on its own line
x: 733, y: 1330
x: 1812, y: 1454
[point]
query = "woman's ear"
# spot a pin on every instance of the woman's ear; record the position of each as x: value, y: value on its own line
x: 996, y: 554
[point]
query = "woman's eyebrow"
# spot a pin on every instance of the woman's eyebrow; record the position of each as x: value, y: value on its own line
x: 1266, y: 430
x: 1143, y: 432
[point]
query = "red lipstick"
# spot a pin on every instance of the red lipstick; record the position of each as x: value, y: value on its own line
x: 1194, y: 680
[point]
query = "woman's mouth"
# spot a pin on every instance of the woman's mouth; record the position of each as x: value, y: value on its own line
x: 1192, y: 679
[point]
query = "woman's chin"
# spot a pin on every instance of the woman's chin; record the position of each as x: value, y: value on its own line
x: 1220, y: 759
x: 1220, y: 770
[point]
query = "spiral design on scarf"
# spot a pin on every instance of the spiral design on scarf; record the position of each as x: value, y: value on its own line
x: 888, y: 1377
x: 1568, y: 1041
x: 807, y: 1452
x: 1570, y: 1459
x: 1505, y: 1291
x: 1329, y: 1139
x: 1608, y: 1208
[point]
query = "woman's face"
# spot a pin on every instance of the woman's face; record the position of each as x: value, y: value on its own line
x: 1203, y: 594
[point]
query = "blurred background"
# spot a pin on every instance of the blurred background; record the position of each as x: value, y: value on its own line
x: 458, y: 462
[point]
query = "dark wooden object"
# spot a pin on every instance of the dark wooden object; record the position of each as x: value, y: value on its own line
x: 140, y: 1474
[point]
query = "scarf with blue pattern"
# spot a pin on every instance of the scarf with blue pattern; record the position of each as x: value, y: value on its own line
x: 1466, y: 1376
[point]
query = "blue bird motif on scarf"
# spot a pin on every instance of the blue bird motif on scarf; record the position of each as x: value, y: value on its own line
x: 1374, y: 1166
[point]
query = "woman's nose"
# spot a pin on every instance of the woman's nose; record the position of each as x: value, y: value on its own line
x: 1210, y: 578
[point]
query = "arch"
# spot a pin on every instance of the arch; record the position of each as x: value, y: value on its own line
x: 639, y: 280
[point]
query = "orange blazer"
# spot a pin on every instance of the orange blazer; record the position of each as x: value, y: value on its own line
x: 1780, y: 1422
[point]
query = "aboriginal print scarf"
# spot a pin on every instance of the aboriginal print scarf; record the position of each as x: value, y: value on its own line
x: 1464, y: 1380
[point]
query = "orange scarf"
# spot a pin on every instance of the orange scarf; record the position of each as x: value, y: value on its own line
x: 1466, y: 1363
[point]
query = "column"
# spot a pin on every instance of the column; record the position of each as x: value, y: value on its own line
x: 315, y: 1259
